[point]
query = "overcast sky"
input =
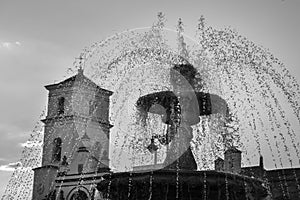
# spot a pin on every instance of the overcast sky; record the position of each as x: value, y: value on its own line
x: 40, y: 39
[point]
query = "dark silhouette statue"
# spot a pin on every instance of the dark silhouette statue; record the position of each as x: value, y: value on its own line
x: 180, y: 109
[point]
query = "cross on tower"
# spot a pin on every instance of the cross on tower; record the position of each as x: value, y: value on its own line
x: 81, y: 63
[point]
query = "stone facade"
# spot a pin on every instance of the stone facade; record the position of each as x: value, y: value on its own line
x: 76, y: 139
x: 283, y: 184
x: 232, y: 160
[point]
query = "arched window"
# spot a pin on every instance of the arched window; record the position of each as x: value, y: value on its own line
x: 61, y: 105
x: 56, y: 153
x: 79, y: 195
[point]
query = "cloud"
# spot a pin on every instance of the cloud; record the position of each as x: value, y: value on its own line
x: 10, y: 166
x: 9, y: 45
x: 6, y: 44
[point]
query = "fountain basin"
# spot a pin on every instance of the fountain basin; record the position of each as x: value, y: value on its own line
x: 207, y: 104
x: 181, y: 185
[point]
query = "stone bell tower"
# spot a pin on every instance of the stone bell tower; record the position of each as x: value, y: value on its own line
x: 77, y: 122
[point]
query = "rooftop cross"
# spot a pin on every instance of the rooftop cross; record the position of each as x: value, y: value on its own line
x: 80, y: 63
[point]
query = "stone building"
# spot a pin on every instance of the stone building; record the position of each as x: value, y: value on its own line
x: 282, y: 183
x: 232, y: 160
x: 76, y: 140
x: 76, y: 147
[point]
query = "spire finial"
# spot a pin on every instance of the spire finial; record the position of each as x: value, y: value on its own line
x: 261, y: 161
x: 80, y: 70
x: 80, y: 64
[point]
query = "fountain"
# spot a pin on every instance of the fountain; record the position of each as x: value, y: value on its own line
x: 218, y: 92
x: 179, y: 179
x: 181, y: 109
